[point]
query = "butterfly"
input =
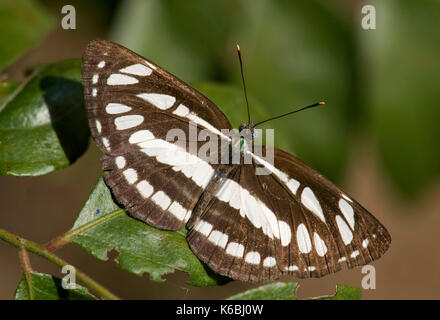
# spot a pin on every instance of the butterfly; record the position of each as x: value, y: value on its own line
x: 246, y: 226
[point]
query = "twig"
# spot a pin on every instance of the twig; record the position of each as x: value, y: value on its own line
x: 37, y: 249
x: 62, y: 240
x: 27, y: 270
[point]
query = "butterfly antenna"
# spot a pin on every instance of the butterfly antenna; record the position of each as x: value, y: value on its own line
x: 291, y: 112
x: 244, y: 83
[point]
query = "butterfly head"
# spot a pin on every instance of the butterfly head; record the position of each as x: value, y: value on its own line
x: 247, y: 131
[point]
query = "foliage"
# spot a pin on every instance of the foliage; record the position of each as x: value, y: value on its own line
x: 271, y: 291
x: 43, y: 126
x: 287, y: 291
x: 47, y: 287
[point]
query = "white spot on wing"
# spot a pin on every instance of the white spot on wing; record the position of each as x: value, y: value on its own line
x: 252, y: 257
x: 105, y: 142
x: 194, y: 118
x: 235, y: 249
x: 141, y: 136
x: 130, y: 175
x: 152, y: 66
x: 218, y: 238
x: 321, y: 248
x: 145, y: 188
x: 161, y: 199
x: 181, y: 110
x: 354, y: 254
x: 177, y: 210
x: 227, y: 191
x: 203, y: 174
x: 137, y: 69
x: 117, y: 79
x: 365, y: 243
x: 252, y: 208
x: 116, y: 108
x: 161, y: 101
x: 269, y: 262
x: 95, y: 78
x: 293, y: 185
x: 347, y: 211
x: 127, y: 122
x: 303, y: 239
x: 270, y: 222
x: 309, y: 200
x: 188, y: 215
x: 98, y: 126
x: 203, y: 227
x: 292, y: 268
x: 120, y: 162
x: 344, y: 230
x: 281, y: 175
x: 346, y: 198
x: 249, y: 208
x: 285, y: 233
x: 94, y: 92
x: 180, y: 160
x: 101, y: 64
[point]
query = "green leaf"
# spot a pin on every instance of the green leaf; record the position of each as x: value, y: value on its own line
x: 271, y: 291
x: 402, y: 64
x: 102, y: 226
x: 23, y: 23
x: 48, y: 287
x: 43, y: 126
x: 286, y: 291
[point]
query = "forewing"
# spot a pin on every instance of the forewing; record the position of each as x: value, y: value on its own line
x: 132, y: 104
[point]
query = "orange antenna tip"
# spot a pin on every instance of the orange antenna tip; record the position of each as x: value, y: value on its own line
x: 322, y: 102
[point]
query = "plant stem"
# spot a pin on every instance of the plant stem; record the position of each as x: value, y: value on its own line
x: 27, y: 270
x: 37, y: 249
x: 60, y: 241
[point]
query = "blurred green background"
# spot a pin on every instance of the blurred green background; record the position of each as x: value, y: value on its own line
x: 377, y: 135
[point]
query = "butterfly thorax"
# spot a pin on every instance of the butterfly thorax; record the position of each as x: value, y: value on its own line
x: 246, y: 137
